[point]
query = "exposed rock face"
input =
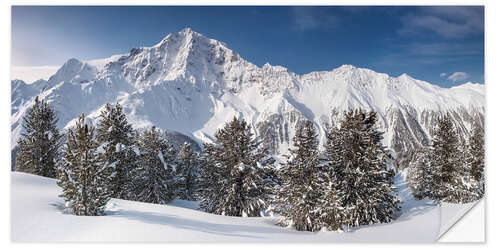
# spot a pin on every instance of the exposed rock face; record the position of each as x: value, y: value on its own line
x: 193, y: 84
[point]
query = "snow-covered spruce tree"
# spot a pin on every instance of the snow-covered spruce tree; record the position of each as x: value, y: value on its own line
x: 447, y: 166
x: 331, y: 211
x: 232, y: 173
x: 188, y: 173
x: 153, y: 178
x: 83, y: 177
x: 419, y: 175
x: 116, y: 136
x: 298, y: 197
x: 39, y: 144
x: 131, y: 162
x: 475, y: 159
x: 360, y: 163
x: 467, y: 191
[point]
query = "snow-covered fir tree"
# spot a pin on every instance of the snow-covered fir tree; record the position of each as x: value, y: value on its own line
x: 331, y: 211
x: 298, y: 197
x: 39, y: 144
x: 475, y: 158
x: 233, y: 183
x: 153, y: 179
x: 360, y: 163
x: 83, y: 177
x: 188, y: 173
x: 419, y: 175
x: 448, y: 168
x: 131, y: 160
x: 116, y: 136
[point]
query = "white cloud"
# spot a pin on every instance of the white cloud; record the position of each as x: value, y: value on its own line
x: 458, y: 76
x: 442, y: 74
x: 445, y: 21
x: 309, y: 17
x: 440, y: 49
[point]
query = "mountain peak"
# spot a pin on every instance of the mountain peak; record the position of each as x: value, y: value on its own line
x: 268, y: 66
x: 188, y: 33
x: 185, y: 54
x: 405, y: 76
x: 187, y: 30
x: 72, y: 62
x: 182, y: 35
x: 351, y: 69
x: 347, y: 67
x: 470, y: 85
x: 67, y: 71
x: 74, y: 69
x: 191, y: 83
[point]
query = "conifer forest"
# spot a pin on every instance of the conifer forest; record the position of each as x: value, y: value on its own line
x: 347, y: 182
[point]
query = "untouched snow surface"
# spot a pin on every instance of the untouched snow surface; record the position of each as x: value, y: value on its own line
x: 37, y: 215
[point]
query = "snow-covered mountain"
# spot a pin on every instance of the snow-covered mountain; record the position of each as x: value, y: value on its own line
x: 193, y: 84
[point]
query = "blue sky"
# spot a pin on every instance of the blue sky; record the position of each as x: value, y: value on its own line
x: 442, y: 45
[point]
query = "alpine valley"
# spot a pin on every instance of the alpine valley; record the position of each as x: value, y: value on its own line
x: 190, y: 85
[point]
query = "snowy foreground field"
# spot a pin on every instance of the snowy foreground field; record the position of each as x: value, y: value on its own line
x: 36, y: 215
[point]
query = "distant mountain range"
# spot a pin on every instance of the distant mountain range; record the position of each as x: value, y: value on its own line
x: 192, y: 84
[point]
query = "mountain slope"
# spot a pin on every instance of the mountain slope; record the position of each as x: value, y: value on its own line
x: 193, y: 84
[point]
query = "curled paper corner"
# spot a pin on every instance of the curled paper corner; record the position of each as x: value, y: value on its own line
x: 462, y: 222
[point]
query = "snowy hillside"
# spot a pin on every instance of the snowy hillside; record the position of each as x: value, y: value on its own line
x: 37, y: 215
x: 193, y: 84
